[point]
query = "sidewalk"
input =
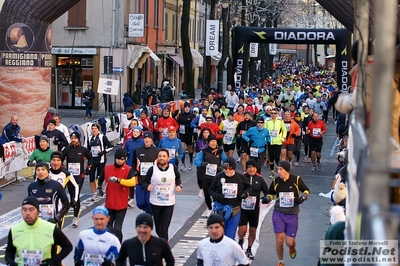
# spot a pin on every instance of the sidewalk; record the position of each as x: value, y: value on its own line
x: 188, y: 203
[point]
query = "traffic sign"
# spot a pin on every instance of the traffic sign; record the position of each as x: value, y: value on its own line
x: 118, y: 70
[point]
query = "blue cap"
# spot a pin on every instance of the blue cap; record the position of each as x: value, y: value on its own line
x: 100, y: 210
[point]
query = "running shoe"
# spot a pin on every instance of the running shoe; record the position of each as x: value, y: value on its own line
x: 296, y: 164
x: 272, y: 175
x: 238, y: 160
x: 314, y: 169
x: 75, y: 222
x: 201, y: 193
x: 306, y: 159
x: 183, y: 168
x: 131, y: 203
x: 249, y: 254
x: 292, y: 253
x: 94, y: 197
x: 190, y: 167
x: 209, y: 213
x: 240, y: 242
x: 281, y: 263
x: 319, y: 165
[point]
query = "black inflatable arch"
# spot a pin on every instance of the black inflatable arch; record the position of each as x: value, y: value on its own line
x: 246, y: 35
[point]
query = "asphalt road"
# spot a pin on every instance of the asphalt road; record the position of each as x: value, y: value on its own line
x: 313, y: 217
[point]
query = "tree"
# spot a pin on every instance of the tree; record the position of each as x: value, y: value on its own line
x: 187, y: 54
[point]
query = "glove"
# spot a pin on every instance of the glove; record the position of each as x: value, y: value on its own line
x: 266, y: 200
x: 79, y: 263
x: 220, y: 168
x: 49, y: 262
x: 56, y: 142
x: 106, y: 263
x: 113, y: 179
x: 53, y: 221
x: 135, y: 173
x: 245, y: 195
x: 223, y: 132
x: 100, y: 192
x: 31, y: 164
x: 86, y: 171
x: 299, y: 200
x: 204, y: 164
x: 251, y: 142
x: 73, y: 203
x: 293, y: 135
x: 101, y: 153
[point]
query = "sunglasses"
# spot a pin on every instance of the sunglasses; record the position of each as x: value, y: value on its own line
x: 273, y: 113
x: 260, y: 122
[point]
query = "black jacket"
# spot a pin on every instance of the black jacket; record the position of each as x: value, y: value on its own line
x: 166, y: 94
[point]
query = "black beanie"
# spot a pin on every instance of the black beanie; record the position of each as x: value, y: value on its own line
x: 57, y: 154
x: 285, y: 165
x: 215, y: 219
x: 31, y: 200
x: 120, y: 154
x: 76, y: 135
x: 211, y: 137
x: 144, y: 218
x: 42, y: 164
x: 52, y: 121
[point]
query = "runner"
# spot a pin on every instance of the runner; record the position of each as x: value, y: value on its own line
x: 186, y: 134
x: 228, y: 129
x: 173, y: 145
x: 293, y: 130
x: 316, y: 129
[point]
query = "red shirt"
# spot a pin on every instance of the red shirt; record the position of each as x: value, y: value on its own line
x: 117, y: 194
x: 214, y: 129
x: 252, y: 109
x: 316, y: 129
x: 165, y: 123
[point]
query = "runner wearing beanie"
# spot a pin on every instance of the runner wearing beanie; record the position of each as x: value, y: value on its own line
x: 48, y: 192
x: 118, y: 177
x: 42, y: 153
x: 250, y: 208
x: 226, y: 252
x: 145, y: 249
x: 290, y: 191
x: 75, y: 155
x: 186, y: 134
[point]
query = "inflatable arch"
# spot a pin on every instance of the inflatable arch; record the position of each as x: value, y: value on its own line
x: 246, y: 35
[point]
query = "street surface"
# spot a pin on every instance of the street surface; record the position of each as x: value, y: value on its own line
x: 189, y: 223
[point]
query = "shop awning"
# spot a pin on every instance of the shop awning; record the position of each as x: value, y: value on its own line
x: 137, y: 56
x: 197, y: 58
x: 177, y: 59
x: 215, y: 59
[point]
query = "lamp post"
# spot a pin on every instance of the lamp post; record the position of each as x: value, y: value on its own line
x: 225, y: 43
x: 203, y: 85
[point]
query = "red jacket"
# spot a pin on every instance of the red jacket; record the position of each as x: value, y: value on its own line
x: 116, y: 194
x: 165, y: 123
x: 252, y: 109
x: 48, y: 117
x: 316, y: 129
x: 147, y: 123
x: 214, y: 129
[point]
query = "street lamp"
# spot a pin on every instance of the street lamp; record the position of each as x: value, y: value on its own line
x: 225, y: 43
x: 225, y: 3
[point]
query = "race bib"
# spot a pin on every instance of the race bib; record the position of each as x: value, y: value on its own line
x: 211, y: 169
x: 249, y: 203
x: 144, y: 167
x: 273, y: 133
x: 229, y: 190
x: 287, y: 125
x: 164, y: 132
x: 95, y: 151
x: 228, y: 138
x: 31, y: 257
x: 316, y: 132
x: 46, y: 211
x: 74, y: 168
x: 182, y: 129
x: 53, y: 146
x: 253, y: 152
x: 93, y: 260
x: 171, y: 153
x: 162, y: 193
x: 286, y: 199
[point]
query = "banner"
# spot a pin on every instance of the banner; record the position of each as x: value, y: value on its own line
x: 272, y: 48
x: 253, y: 50
x: 136, y: 25
x: 16, y: 155
x: 212, y: 37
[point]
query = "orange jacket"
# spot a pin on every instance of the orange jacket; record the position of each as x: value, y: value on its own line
x: 294, y: 129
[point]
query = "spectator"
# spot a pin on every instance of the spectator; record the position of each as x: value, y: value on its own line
x: 11, y: 132
x: 49, y: 115
x: 128, y: 102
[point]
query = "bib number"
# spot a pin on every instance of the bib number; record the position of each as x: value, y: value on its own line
x: 95, y: 151
x: 249, y: 203
x: 182, y: 129
x: 273, y: 133
x: 253, y: 152
x: 31, y: 257
x: 162, y: 193
x: 228, y: 138
x: 286, y: 199
x: 93, y: 260
x: 74, y: 168
x: 316, y: 132
x: 211, y: 169
x: 46, y: 211
x: 230, y: 190
x: 171, y: 153
x: 144, y: 167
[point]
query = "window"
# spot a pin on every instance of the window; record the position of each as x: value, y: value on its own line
x: 77, y: 15
x: 146, y: 12
x: 166, y: 27
x: 190, y: 28
x: 156, y: 8
x: 193, y: 30
x: 174, y: 28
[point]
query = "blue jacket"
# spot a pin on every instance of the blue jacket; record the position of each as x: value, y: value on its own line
x: 260, y: 138
x: 130, y: 147
x: 10, y: 133
x: 176, y: 144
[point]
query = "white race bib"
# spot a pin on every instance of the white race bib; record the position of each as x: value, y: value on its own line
x: 211, y: 169
x: 95, y: 150
x: 74, y: 168
x: 253, y: 152
x: 287, y: 125
x: 316, y: 132
x: 228, y: 138
x: 273, y: 133
x: 249, y: 203
x: 286, y: 199
x: 93, y: 259
x: 31, y: 257
x: 182, y: 129
x: 229, y: 190
x: 162, y: 193
x: 171, y: 153
x: 46, y: 211
x: 144, y: 167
